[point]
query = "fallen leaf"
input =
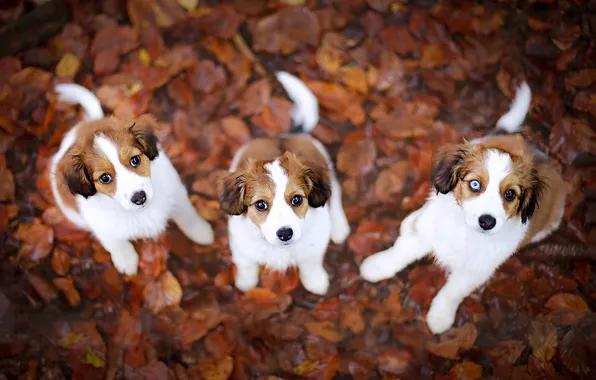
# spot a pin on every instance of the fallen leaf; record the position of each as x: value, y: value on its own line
x: 189, y: 5
x: 391, y: 181
x: 453, y: 341
x: 287, y: 30
x: 68, y: 66
x: 355, y: 78
x: 575, y: 352
x: 351, y: 317
x: 216, y: 369
x: 7, y: 185
x: 567, y: 301
x: 121, y: 39
x: 325, y: 329
x: 37, y: 240
x: 363, y: 241
x: 356, y: 158
x: 398, y: 39
x: 543, y: 339
x: 394, y: 362
x: 330, y: 58
x: 42, y: 287
x: 507, y: 352
x: 581, y: 78
x: 466, y: 371
x: 221, y: 21
x: 94, y: 360
x: 432, y: 56
x: 207, y: 77
x: 255, y: 98
x: 162, y: 293
x: 68, y: 289
x: 276, y: 117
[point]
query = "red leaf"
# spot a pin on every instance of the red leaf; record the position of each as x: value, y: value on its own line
x: 37, y: 240
x: 327, y: 310
x: 222, y: 22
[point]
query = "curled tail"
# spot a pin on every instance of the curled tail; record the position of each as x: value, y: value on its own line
x: 305, y: 114
x: 76, y: 94
x: 513, y: 119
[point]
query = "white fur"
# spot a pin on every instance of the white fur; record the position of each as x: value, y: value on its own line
x: 75, y: 94
x: 116, y: 220
x: 512, y: 120
x: 306, y: 107
x: 252, y: 245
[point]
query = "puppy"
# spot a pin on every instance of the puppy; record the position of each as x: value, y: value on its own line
x: 284, y: 200
x: 111, y: 177
x: 484, y: 208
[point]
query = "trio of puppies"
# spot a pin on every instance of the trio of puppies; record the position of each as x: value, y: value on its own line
x: 284, y: 199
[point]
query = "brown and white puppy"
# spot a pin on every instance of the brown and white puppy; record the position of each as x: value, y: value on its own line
x: 491, y: 197
x: 111, y: 177
x: 284, y: 201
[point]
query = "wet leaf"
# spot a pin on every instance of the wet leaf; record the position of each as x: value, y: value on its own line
x: 325, y: 329
x: 543, y: 339
x: 37, y: 241
x: 162, y: 293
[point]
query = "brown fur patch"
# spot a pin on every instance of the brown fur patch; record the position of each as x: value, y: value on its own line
x: 81, y: 167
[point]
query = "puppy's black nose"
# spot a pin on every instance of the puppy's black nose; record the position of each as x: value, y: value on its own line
x: 139, y: 198
x: 487, y: 222
x: 285, y: 233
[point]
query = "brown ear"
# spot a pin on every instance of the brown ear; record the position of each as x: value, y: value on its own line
x: 230, y: 189
x: 528, y: 200
x: 447, y: 167
x: 144, y: 132
x: 319, y: 185
x: 77, y: 177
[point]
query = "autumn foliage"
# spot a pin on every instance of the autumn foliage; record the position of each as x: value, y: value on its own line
x: 395, y: 80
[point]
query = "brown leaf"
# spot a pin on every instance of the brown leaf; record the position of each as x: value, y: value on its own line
x: 543, y: 339
x: 106, y: 62
x: 207, y: 77
x: 235, y: 130
x: 581, y: 78
x: 280, y: 282
x: 276, y: 117
x: 394, y: 362
x: 42, y: 287
x: 37, y: 240
x: 507, y: 352
x: 538, y: 25
x: 565, y: 34
x: 389, y: 74
x: 330, y: 58
x: 466, y: 371
x: 398, y: 39
x: 255, y: 98
x: 178, y: 58
x: 363, y: 241
x: 356, y: 158
x: 391, y: 181
x: 409, y: 121
x: 575, y: 352
x: 325, y: 329
x: 454, y: 340
x: 432, y: 56
x: 7, y: 186
x: 120, y: 39
x: 162, y: 293
x: 216, y: 369
x: 287, y: 30
x: 355, y: 78
x: 222, y: 21
x: 70, y: 292
x: 351, y: 317
x: 567, y: 301
x: 31, y: 78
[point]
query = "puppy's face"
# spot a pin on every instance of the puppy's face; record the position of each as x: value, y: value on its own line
x: 275, y: 195
x: 113, y: 158
x: 493, y: 183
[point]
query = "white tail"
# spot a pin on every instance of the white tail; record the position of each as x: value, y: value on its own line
x: 76, y: 94
x: 520, y: 106
x: 306, y: 107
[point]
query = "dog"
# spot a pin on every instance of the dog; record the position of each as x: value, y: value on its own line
x: 112, y: 178
x: 483, y: 209
x: 284, y: 200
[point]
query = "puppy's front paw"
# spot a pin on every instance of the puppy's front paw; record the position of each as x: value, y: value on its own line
x: 441, y: 315
x: 201, y: 233
x: 315, y: 279
x: 126, y: 263
x: 246, y: 278
x: 340, y: 232
x: 377, y: 267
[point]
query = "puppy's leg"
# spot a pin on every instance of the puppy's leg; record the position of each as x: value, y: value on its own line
x: 460, y: 284
x: 247, y: 274
x: 409, y: 247
x: 186, y: 218
x: 313, y: 276
x: 124, y: 256
x: 340, y: 228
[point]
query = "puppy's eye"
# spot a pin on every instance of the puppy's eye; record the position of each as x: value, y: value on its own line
x: 261, y: 205
x: 135, y: 161
x: 296, y: 200
x: 509, y: 195
x: 475, y: 185
x: 105, y: 178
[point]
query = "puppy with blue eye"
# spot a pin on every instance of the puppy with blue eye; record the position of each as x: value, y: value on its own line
x: 111, y: 177
x: 491, y: 197
x: 284, y: 200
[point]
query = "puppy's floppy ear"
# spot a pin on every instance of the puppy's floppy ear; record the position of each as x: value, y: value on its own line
x: 230, y: 190
x: 319, y: 184
x: 447, y: 167
x: 144, y: 132
x: 528, y: 200
x: 77, y: 177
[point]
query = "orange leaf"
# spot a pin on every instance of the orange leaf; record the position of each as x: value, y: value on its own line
x: 60, y: 262
x: 466, y: 371
x: 394, y: 362
x: 355, y: 78
x: 42, y: 287
x: 255, y: 98
x: 162, y: 293
x: 325, y: 329
x: 7, y: 186
x: 454, y: 340
x: 432, y: 56
x: 330, y: 58
x: 70, y: 292
x: 567, y: 301
x: 216, y: 369
x: 37, y: 240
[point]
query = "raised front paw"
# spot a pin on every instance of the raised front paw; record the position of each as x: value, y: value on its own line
x: 315, y: 280
x: 340, y: 232
x: 201, y: 232
x: 247, y: 278
x: 377, y: 267
x: 126, y: 263
x: 441, y: 315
